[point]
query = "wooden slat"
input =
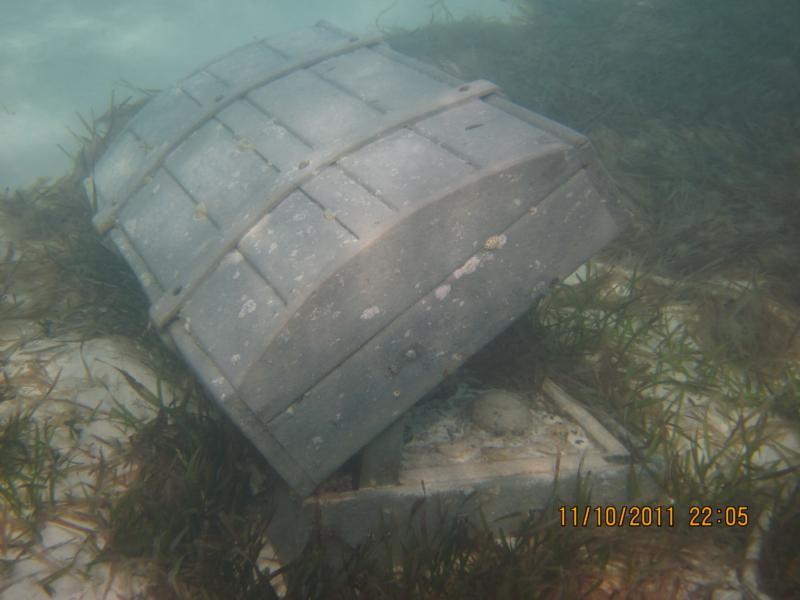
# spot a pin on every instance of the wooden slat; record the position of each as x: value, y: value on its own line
x: 596, y: 431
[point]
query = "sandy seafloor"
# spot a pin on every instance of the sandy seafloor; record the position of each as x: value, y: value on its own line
x: 59, y: 58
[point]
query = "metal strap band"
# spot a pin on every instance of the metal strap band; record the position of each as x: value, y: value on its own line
x: 104, y: 220
x: 169, y: 304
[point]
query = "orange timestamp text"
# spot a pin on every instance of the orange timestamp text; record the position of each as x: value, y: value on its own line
x: 617, y: 516
x: 651, y: 516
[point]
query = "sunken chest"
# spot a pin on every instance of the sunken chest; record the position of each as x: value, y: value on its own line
x: 326, y: 229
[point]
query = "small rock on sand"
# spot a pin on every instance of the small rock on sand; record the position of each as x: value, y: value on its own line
x: 501, y: 413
